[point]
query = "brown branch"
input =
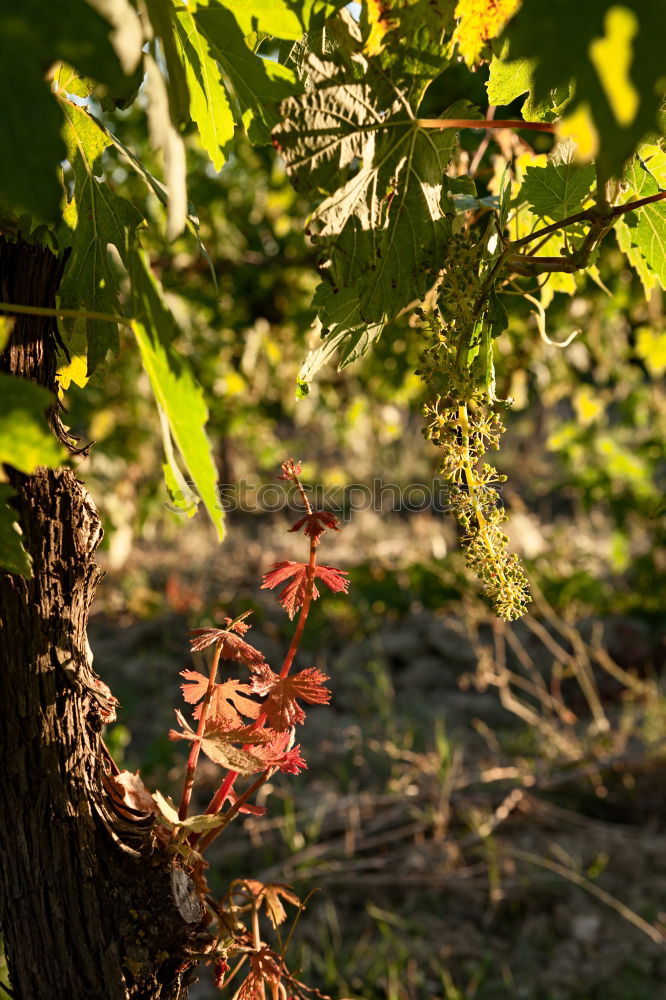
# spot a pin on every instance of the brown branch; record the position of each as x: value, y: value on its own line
x: 589, y: 215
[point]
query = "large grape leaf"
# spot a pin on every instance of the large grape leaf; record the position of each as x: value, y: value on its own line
x: 346, y: 335
x: 33, y: 36
x: 176, y: 391
x: 646, y: 228
x: 259, y: 84
x: 612, y: 52
x: 408, y: 38
x: 383, y: 225
x: 96, y: 218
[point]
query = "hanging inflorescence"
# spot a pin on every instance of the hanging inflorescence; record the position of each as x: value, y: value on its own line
x: 464, y: 422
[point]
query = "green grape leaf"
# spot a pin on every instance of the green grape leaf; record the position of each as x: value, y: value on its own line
x: 13, y: 556
x: 612, y: 52
x: 646, y: 227
x: 512, y: 78
x: 383, y: 225
x: 34, y: 36
x: 25, y: 439
x: 259, y: 84
x: 209, y: 104
x: 282, y: 18
x: 177, y: 393
x: 409, y: 38
x: 647, y: 276
x: 96, y: 218
x: 557, y: 190
x: 345, y: 334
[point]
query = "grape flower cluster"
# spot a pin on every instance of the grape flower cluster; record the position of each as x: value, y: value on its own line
x: 464, y: 423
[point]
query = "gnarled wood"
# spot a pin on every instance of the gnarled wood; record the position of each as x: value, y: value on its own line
x: 88, y: 905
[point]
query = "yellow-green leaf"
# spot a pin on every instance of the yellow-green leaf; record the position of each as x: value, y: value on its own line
x: 174, y: 386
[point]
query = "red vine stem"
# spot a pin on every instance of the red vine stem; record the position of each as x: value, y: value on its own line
x: 307, y: 601
x: 234, y: 809
x: 196, y: 744
x: 221, y: 794
x: 481, y: 123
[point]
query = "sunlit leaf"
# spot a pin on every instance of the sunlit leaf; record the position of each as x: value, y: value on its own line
x: 557, y: 190
x: 96, y: 218
x: 173, y: 384
x: 209, y: 104
x: 479, y: 22
x: 259, y: 84
x: 646, y: 227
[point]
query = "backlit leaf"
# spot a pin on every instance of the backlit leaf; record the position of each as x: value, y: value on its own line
x: 512, y: 78
x: 209, y: 104
x: 294, y: 576
x: 282, y: 18
x: 557, y: 190
x: 479, y: 22
x: 227, y: 703
x: 647, y: 226
x: 259, y: 84
x: 96, y: 218
x: 173, y: 384
x: 283, y: 693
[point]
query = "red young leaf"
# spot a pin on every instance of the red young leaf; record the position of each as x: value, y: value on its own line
x: 316, y: 523
x: 292, y: 595
x: 269, y: 894
x: 278, y: 753
x: 220, y: 750
x: 227, y: 700
x: 281, y: 707
x: 221, y: 969
x: 290, y: 469
x: 233, y: 647
x: 266, y: 968
x: 333, y: 578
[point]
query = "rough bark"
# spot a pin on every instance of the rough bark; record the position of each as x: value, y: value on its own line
x: 89, y: 906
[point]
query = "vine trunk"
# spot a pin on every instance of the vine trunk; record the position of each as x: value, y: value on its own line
x: 89, y: 908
